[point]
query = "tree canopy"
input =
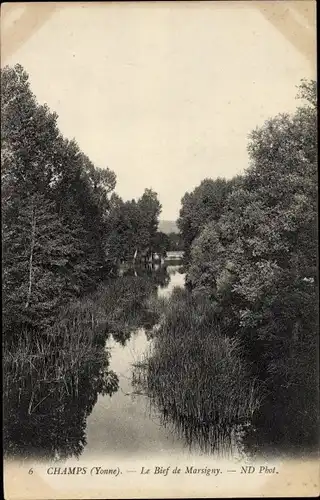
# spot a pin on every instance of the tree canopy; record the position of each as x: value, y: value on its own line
x: 204, y: 204
x: 64, y: 228
x: 256, y: 258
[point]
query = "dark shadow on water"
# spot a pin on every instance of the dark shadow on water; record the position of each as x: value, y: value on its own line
x: 156, y: 274
x: 48, y: 395
x: 49, y: 392
x: 283, y: 428
x: 275, y: 431
x: 199, y: 434
x: 47, y: 419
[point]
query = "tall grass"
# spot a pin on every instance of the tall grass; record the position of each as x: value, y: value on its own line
x: 196, y: 375
x: 50, y: 390
x: 78, y: 333
x: 53, y: 378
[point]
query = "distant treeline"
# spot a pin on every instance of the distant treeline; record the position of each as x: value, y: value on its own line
x: 250, y: 248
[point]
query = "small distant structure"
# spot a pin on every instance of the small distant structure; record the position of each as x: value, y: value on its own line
x: 175, y: 257
x: 148, y: 258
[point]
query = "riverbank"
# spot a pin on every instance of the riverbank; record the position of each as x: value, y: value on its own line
x: 133, y: 419
x: 63, y: 370
x: 205, y: 384
x: 196, y: 375
x: 177, y: 382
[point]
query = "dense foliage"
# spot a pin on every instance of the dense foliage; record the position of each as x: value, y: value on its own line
x: 63, y: 228
x: 253, y: 252
x: 175, y: 243
x: 65, y: 232
x: 206, y: 203
x: 132, y: 228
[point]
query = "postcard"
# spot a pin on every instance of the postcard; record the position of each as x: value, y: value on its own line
x: 159, y: 249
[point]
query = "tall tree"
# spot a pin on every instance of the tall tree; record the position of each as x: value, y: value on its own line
x: 266, y: 239
x: 132, y: 227
x: 206, y: 203
x: 258, y: 261
x: 38, y: 251
x: 55, y: 205
x: 161, y: 244
x: 150, y: 209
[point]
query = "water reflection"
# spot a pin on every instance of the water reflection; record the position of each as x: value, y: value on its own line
x: 127, y: 424
x: 60, y: 406
x: 50, y: 389
x: 159, y: 275
x: 46, y: 417
x: 134, y: 422
x: 197, y: 436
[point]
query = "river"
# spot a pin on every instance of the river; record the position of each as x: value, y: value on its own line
x: 128, y: 422
x: 95, y: 408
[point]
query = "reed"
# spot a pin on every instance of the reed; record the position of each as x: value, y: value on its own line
x: 77, y: 337
x: 195, y: 372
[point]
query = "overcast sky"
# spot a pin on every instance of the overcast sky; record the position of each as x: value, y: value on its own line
x: 165, y: 95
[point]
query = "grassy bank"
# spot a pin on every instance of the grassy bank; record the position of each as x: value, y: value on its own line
x: 195, y: 374
x: 81, y: 328
x: 60, y: 372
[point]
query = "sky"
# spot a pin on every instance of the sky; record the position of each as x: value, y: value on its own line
x: 164, y: 94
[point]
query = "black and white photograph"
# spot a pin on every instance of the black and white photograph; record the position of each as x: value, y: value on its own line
x: 159, y: 200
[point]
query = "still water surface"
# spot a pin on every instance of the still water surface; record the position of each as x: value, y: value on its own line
x: 128, y: 422
x: 83, y: 412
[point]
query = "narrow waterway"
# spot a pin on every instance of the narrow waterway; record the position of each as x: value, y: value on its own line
x: 101, y: 406
x: 128, y: 422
